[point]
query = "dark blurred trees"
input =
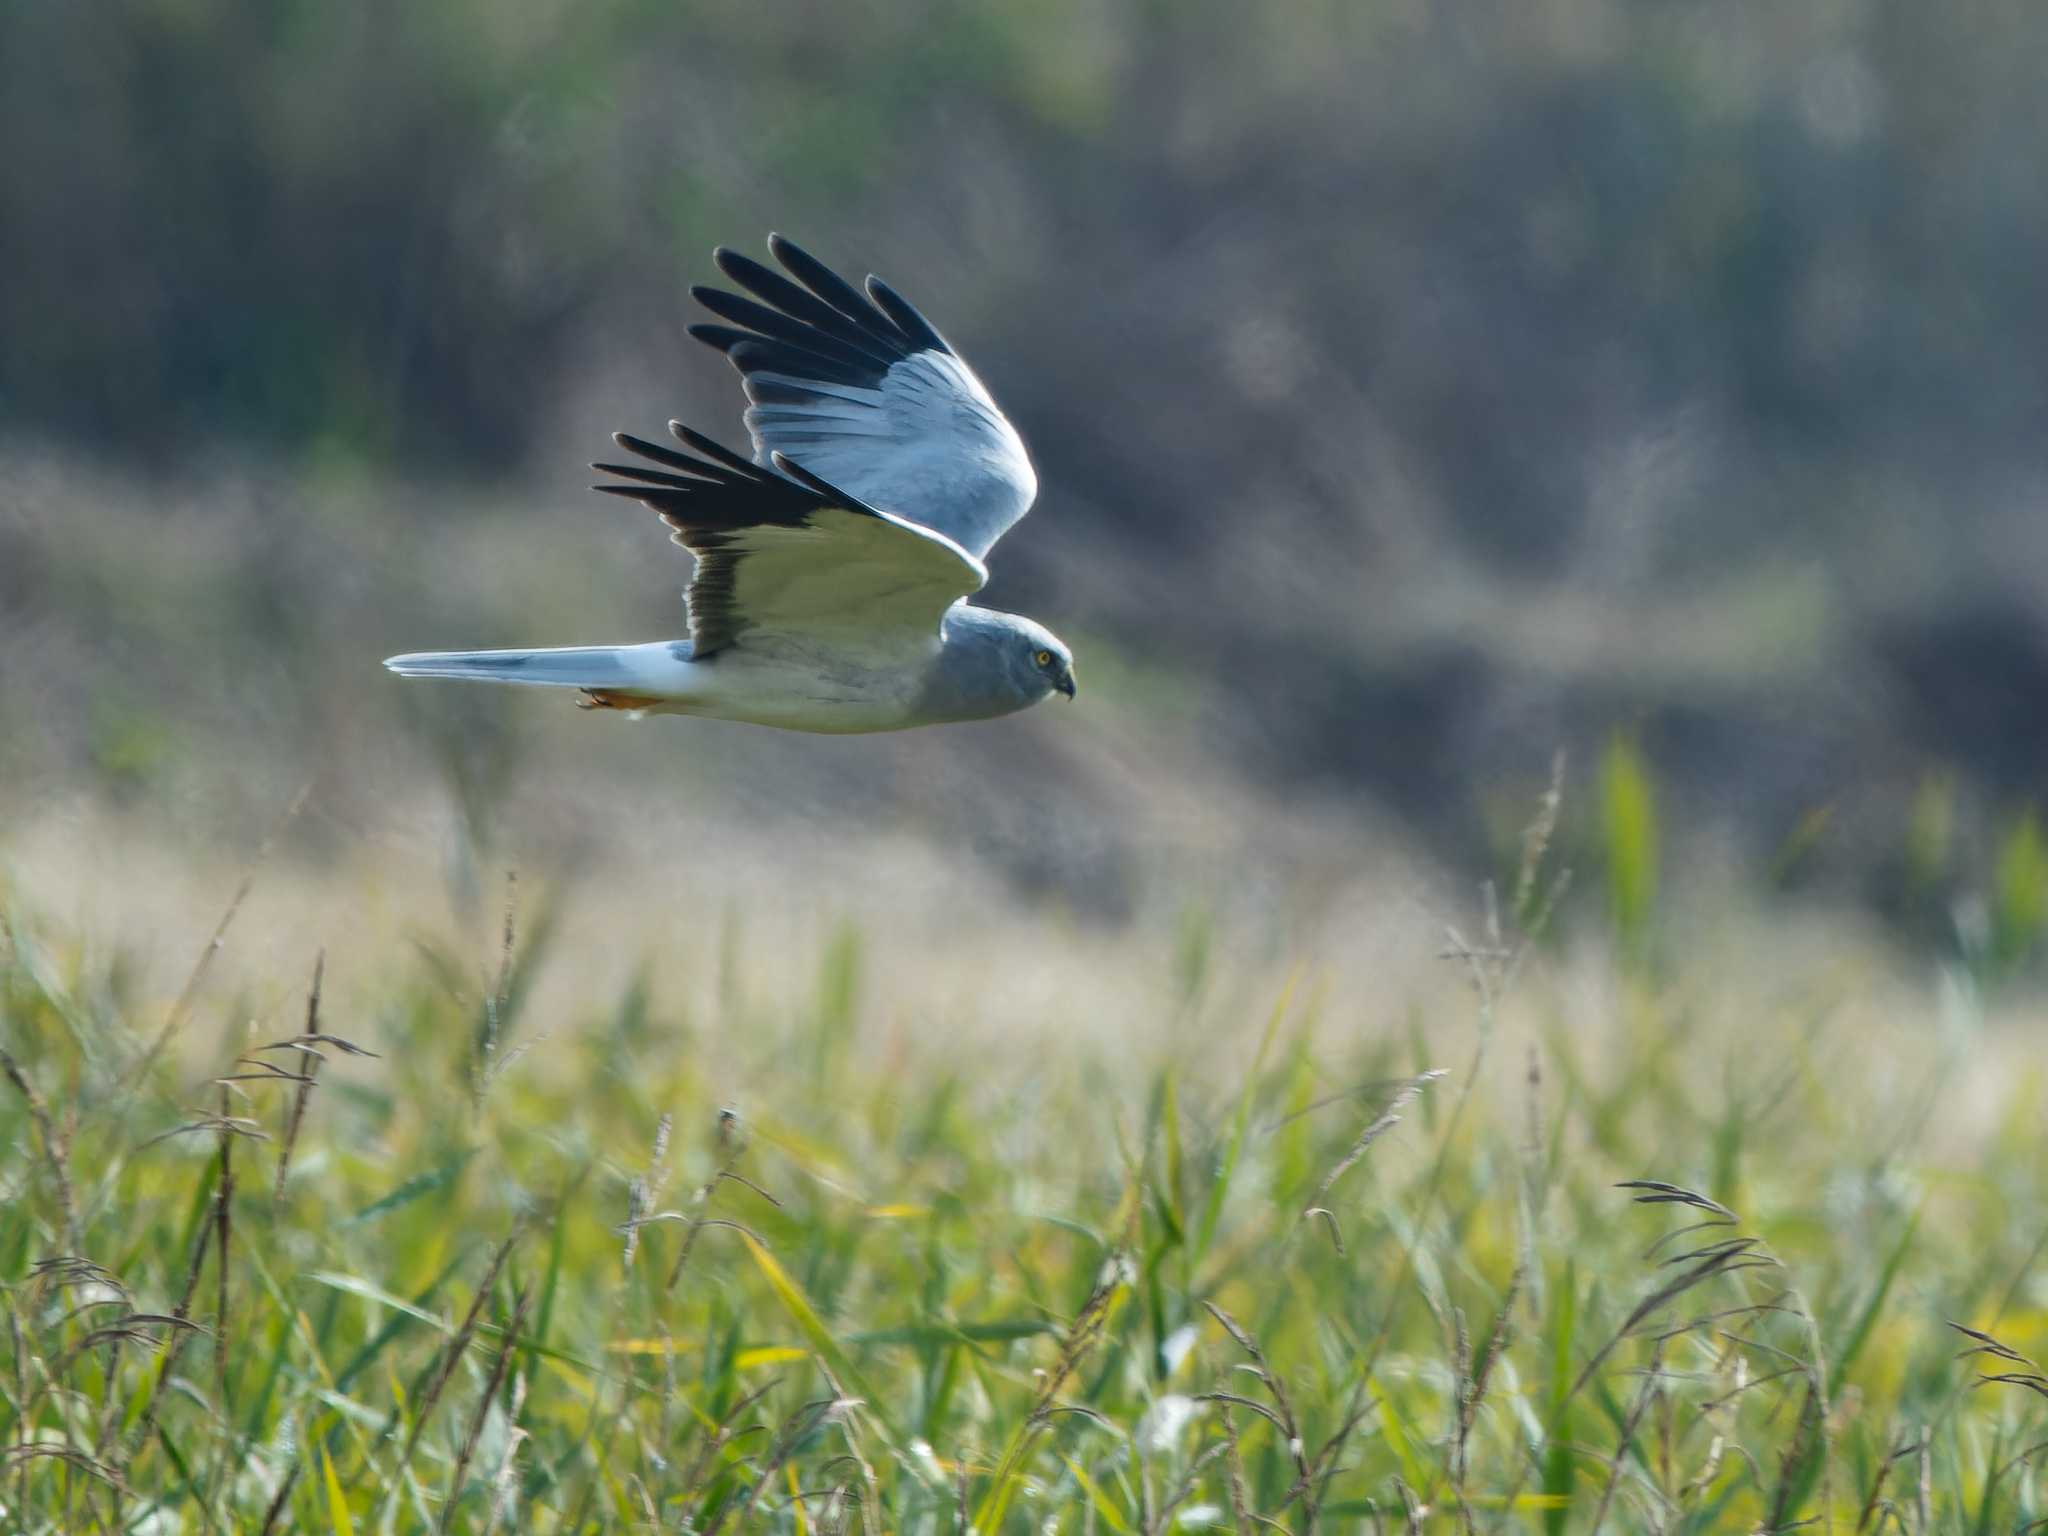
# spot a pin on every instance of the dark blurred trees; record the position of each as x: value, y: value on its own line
x: 1515, y: 229
x: 1462, y: 376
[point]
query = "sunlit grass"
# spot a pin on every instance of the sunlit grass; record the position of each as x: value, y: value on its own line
x: 1347, y: 1258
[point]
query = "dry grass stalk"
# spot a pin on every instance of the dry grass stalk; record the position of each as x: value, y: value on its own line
x: 1280, y: 1415
x: 732, y: 1144
x: 1472, y: 1385
x: 1537, y: 835
x: 311, y: 1047
x: 56, y: 1147
x: 1416, y: 1511
x: 71, y: 1456
x: 275, y: 1511
x: 206, y: 1122
x: 498, y: 993
x: 1080, y: 1337
x: 1404, y: 1095
x: 848, y: 1426
x: 127, y: 1329
x: 1233, y: 1464
x: 719, y: 1438
x: 833, y: 1518
x: 1875, y: 1500
x: 2029, y: 1376
x: 1537, y: 1173
x: 202, y: 1239
x: 1652, y: 1385
x: 1163, y: 1515
x: 21, y: 1418
x: 642, y: 1193
x: 502, y: 1487
x: 297, y: 1114
x: 731, y: 1138
x: 181, y: 1009
x: 1923, y: 1498
x: 1323, y: 1465
x: 1721, y: 1258
x: 794, y: 1429
x: 1491, y: 974
x: 841, y: 1498
x: 1811, y: 1430
x: 1725, y: 1256
x: 453, y: 1354
x: 483, y: 1406
x: 58, y: 1274
x: 224, y: 1224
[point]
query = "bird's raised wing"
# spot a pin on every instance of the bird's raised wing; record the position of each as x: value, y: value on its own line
x: 862, y: 390
x: 786, y: 554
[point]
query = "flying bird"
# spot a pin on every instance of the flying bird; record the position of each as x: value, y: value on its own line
x: 833, y: 568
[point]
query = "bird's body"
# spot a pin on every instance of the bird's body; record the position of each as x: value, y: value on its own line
x: 791, y: 684
x: 833, y: 571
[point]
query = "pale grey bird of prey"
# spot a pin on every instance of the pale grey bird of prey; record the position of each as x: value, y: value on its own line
x: 833, y: 570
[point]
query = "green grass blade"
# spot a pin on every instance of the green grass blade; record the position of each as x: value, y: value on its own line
x: 1240, y: 1123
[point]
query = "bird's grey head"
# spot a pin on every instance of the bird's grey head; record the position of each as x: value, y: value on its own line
x: 995, y: 664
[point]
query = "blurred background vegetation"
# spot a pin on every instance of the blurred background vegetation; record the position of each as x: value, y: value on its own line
x: 1418, y: 389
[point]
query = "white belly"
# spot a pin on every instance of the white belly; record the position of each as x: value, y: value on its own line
x: 795, y: 691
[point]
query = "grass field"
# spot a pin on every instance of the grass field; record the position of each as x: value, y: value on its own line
x: 818, y: 1241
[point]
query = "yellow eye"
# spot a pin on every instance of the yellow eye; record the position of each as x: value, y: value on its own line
x: 1043, y: 658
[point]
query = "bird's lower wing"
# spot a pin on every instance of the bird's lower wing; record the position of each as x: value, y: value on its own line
x: 787, y: 554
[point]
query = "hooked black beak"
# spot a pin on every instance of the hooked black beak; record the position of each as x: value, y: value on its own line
x: 1066, y: 683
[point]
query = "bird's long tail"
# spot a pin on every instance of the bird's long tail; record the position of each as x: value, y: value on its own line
x: 576, y: 666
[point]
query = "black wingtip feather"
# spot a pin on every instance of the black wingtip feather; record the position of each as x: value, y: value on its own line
x: 833, y: 289
x: 647, y: 476
x: 764, y: 283
x: 818, y: 329
x: 669, y: 457
x: 817, y: 487
x: 804, y: 322
x: 755, y: 355
x: 723, y: 337
x: 803, y: 305
x: 713, y: 449
x: 922, y: 332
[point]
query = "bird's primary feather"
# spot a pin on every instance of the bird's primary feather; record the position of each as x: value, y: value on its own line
x: 863, y: 390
